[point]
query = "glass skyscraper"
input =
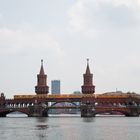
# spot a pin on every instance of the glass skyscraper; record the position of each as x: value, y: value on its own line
x: 55, y: 86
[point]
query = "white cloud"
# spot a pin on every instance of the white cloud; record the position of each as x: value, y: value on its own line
x: 98, y: 15
x: 20, y: 36
x: 24, y: 39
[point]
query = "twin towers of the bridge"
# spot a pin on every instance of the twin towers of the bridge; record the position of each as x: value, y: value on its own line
x: 87, y: 87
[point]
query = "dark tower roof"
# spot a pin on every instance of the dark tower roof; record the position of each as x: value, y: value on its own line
x: 42, y: 87
x: 87, y: 69
x: 42, y: 69
x: 88, y: 86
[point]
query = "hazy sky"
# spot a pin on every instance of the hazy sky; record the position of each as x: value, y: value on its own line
x: 64, y: 33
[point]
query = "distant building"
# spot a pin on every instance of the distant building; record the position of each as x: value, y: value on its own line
x: 77, y: 92
x: 55, y: 87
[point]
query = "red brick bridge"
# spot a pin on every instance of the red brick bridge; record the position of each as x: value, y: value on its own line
x: 88, y: 102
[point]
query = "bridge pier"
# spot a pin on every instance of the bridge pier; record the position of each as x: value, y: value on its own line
x: 37, y: 111
x: 133, y: 111
x: 2, y: 115
x: 88, y: 105
x: 87, y: 110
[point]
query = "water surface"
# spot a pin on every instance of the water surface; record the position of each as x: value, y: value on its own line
x: 70, y: 128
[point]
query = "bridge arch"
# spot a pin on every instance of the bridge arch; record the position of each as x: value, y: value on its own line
x: 17, y: 113
x: 73, y: 103
x: 7, y: 111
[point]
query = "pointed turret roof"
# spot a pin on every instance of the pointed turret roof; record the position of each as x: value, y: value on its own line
x: 42, y: 69
x: 87, y: 69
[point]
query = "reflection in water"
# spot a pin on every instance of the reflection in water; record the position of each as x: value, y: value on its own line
x: 41, y: 119
x: 16, y: 114
x: 42, y: 128
x: 88, y: 119
x: 66, y: 128
x: 41, y: 134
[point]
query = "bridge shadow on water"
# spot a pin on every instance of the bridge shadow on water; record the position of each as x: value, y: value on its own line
x: 88, y: 119
x: 41, y: 119
x: 41, y: 127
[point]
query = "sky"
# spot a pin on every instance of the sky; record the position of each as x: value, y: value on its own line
x: 64, y: 34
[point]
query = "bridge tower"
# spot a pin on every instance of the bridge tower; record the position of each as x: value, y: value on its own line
x: 88, y: 90
x: 88, y: 86
x: 41, y: 87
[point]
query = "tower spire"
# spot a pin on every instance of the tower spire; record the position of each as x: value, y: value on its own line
x: 88, y: 86
x: 42, y: 69
x: 87, y: 69
x: 41, y: 87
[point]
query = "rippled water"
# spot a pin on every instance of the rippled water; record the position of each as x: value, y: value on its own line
x: 70, y: 128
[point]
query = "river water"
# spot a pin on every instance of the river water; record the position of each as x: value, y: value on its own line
x: 70, y: 128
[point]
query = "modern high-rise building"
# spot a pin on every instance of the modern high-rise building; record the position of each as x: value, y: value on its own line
x: 55, y: 86
x: 55, y: 89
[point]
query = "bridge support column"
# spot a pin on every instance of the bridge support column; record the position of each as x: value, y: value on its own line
x: 88, y: 107
x: 38, y: 111
x: 133, y: 111
x: 87, y: 111
x: 2, y: 115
